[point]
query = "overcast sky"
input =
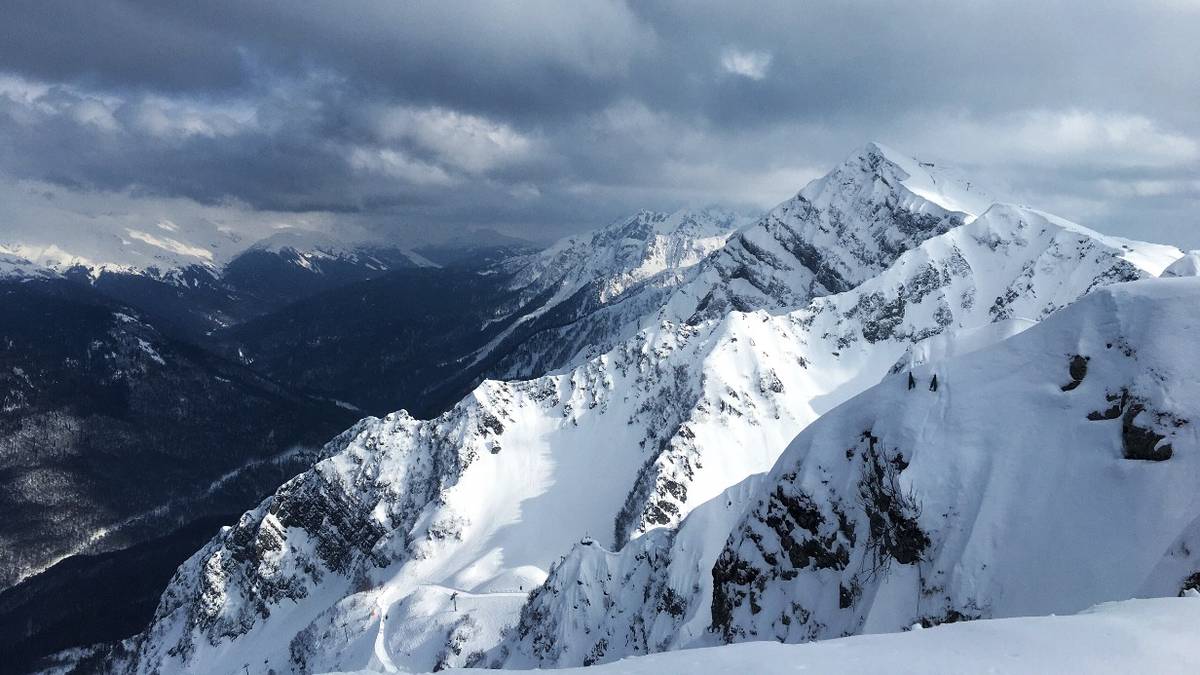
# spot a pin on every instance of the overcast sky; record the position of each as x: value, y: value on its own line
x: 543, y: 118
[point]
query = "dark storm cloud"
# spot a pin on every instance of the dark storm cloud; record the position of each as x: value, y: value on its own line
x: 548, y: 116
x: 116, y: 44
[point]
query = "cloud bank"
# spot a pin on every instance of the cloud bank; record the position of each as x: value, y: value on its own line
x: 543, y: 118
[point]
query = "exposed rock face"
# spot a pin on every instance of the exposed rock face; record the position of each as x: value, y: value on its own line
x: 326, y: 529
x: 836, y: 233
x: 1078, y: 370
x: 631, y: 250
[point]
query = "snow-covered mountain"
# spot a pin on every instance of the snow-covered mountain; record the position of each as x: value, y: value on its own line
x: 13, y: 266
x: 199, y: 276
x: 157, y: 249
x: 626, y: 252
x: 413, y: 544
x: 644, y: 255
x: 837, y: 232
x: 421, y: 339
x: 291, y: 265
x: 164, y: 249
x: 315, y: 251
x: 1044, y: 474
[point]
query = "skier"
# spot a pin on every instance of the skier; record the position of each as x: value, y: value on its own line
x: 933, y: 384
x: 454, y: 600
x: 912, y: 382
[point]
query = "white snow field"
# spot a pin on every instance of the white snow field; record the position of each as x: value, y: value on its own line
x: 1135, y: 636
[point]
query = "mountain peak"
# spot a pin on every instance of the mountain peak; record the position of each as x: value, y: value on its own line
x: 881, y: 169
x: 307, y: 246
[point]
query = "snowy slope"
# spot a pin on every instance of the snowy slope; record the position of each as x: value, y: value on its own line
x: 774, y: 374
x: 1045, y: 474
x: 1147, y: 636
x: 155, y: 249
x: 1051, y: 472
x: 354, y: 562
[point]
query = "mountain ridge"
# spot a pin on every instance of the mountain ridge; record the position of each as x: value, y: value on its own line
x: 430, y: 527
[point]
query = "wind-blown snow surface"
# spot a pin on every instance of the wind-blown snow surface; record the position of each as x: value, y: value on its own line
x: 1187, y: 266
x: 353, y: 563
x: 1135, y: 636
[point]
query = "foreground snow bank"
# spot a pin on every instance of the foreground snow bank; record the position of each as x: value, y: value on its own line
x: 1146, y: 636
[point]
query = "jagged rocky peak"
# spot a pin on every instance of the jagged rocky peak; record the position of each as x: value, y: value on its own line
x: 584, y: 295
x: 699, y: 223
x: 880, y: 170
x: 839, y: 231
x: 627, y: 251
